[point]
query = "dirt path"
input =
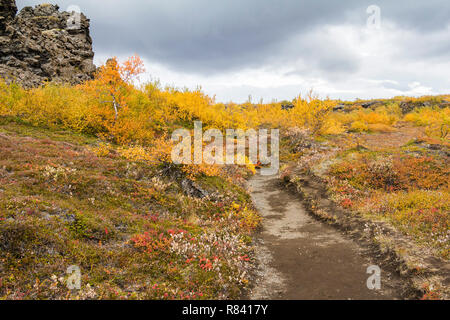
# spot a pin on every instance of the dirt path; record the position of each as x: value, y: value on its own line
x: 302, y: 258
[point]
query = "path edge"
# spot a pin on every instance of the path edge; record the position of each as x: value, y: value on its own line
x: 424, y: 275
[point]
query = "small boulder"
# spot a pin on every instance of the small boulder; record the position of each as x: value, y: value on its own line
x: 339, y: 107
x: 287, y: 106
x: 192, y: 189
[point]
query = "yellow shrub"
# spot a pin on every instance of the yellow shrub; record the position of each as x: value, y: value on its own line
x: 135, y: 153
x: 436, y: 131
x: 381, y: 119
x: 193, y: 170
x: 380, y: 127
x: 332, y: 126
x: 359, y: 126
x: 240, y: 158
x: 102, y: 150
x: 9, y: 96
x: 429, y: 116
x: 311, y: 112
x: 159, y: 152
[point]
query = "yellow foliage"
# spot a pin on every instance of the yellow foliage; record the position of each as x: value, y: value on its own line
x: 436, y: 131
x: 248, y: 218
x: 380, y: 127
x: 112, y: 107
x: 193, y: 170
x: 332, y: 126
x: 102, y: 150
x: 379, y: 120
x: 135, y: 153
x: 359, y: 126
x: 158, y: 152
x: 311, y: 112
x: 437, y: 121
x: 429, y: 116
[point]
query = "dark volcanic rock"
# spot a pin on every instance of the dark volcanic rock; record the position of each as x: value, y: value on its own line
x: 8, y: 10
x: 287, y: 106
x: 41, y: 44
x: 339, y: 107
x: 192, y: 189
x: 371, y: 104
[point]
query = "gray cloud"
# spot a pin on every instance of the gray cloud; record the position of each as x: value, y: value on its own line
x: 213, y: 35
x: 208, y: 37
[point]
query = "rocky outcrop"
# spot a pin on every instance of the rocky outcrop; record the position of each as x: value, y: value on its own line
x: 192, y: 189
x: 287, y: 106
x: 43, y: 44
x: 8, y: 10
x: 372, y: 104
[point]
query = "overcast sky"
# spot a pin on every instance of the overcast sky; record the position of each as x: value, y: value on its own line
x: 279, y: 48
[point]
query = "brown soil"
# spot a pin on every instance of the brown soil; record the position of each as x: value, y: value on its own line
x: 380, y: 141
x: 300, y: 257
x: 397, y: 139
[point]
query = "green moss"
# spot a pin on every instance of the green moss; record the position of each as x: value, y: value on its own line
x: 223, y: 186
x: 15, y: 125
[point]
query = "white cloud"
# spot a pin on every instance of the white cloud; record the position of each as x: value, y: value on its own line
x: 234, y: 49
x: 382, y: 68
